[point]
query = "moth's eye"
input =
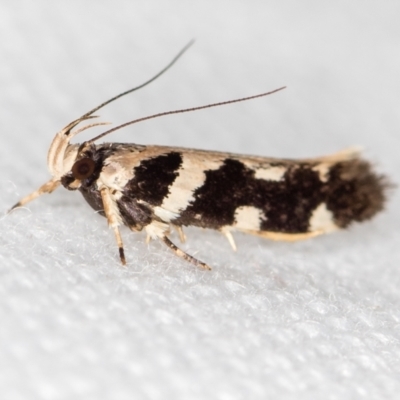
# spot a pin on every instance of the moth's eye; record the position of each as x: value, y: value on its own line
x: 83, y: 168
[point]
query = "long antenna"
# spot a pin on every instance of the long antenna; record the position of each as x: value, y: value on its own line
x: 143, y: 84
x: 135, y: 121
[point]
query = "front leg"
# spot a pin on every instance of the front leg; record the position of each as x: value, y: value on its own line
x: 48, y: 187
x: 114, y: 219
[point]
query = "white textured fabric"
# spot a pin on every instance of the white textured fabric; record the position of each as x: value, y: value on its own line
x: 312, y: 320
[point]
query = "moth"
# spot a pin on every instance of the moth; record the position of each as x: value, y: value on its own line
x: 158, y: 188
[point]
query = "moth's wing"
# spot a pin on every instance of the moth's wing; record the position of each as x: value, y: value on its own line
x: 195, y: 187
x: 196, y: 165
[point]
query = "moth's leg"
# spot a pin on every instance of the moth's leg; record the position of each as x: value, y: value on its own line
x: 182, y: 254
x: 182, y: 236
x: 120, y: 245
x: 112, y: 215
x: 230, y: 238
x: 48, y: 187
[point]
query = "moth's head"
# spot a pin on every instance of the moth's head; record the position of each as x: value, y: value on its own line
x: 84, y: 169
x: 71, y: 163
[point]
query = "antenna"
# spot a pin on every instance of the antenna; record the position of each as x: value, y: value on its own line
x: 84, y: 116
x: 135, y: 121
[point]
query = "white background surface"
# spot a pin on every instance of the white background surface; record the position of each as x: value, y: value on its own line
x: 317, y: 319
